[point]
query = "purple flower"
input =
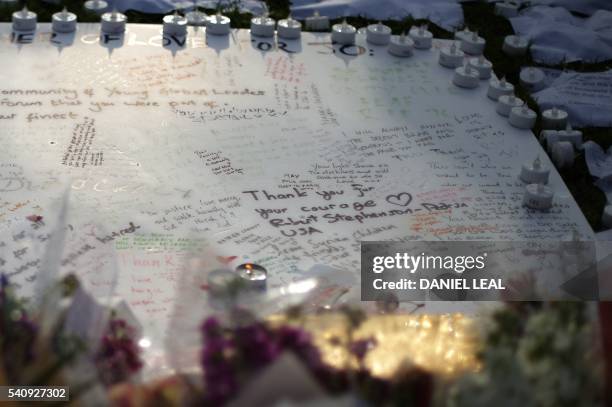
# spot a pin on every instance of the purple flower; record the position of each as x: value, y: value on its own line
x: 361, y: 347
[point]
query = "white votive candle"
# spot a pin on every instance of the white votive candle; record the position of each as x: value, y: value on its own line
x: 466, y: 77
x: 175, y: 24
x: 482, y: 65
x: 113, y: 22
x: 289, y: 28
x: 378, y: 34
x: 459, y: 35
x: 515, y: 45
x: 24, y: 20
x: 96, y: 6
x: 451, y: 57
x: 401, y: 46
x: 64, y: 21
x: 498, y: 88
x: 571, y: 135
x: 533, y: 79
x: 218, y: 25
x: 263, y: 26
x: 196, y: 18
x: 343, y: 33
x: 554, y: 118
x: 538, y: 196
x: 422, y: 37
x: 563, y: 154
x: 317, y: 22
x: 534, y: 173
x: 522, y: 117
x: 506, y: 9
x: 473, y: 44
x: 505, y: 103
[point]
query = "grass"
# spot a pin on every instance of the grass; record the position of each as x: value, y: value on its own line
x: 478, y: 16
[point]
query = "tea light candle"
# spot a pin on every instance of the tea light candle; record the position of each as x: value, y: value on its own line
x: 563, y: 154
x: 459, y: 35
x: 498, y: 88
x: 175, y: 24
x: 451, y: 57
x: 506, y: 9
x: 505, y: 103
x: 317, y: 22
x: 289, y: 28
x: 554, y: 118
x: 466, y: 77
x: 113, y: 22
x: 473, y: 44
x: 401, y: 46
x: 196, y: 18
x: 254, y: 274
x: 534, y: 173
x: 24, y: 20
x: 515, y: 45
x: 538, y: 196
x: 422, y: 37
x: 571, y: 135
x: 64, y: 21
x: 343, y: 33
x: 378, y: 34
x: 606, y: 217
x: 96, y: 6
x: 532, y: 78
x: 550, y: 137
x: 218, y: 25
x: 483, y: 66
x: 263, y: 26
x: 522, y: 117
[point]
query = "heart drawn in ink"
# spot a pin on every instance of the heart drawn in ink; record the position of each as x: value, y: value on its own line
x: 401, y: 199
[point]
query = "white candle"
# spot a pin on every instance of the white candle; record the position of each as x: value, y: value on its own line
x: 64, y: 21
x: 506, y: 9
x: 421, y: 36
x: 255, y: 275
x: 522, y: 117
x: 289, y: 28
x: 606, y: 217
x: 113, y: 22
x: 563, y: 154
x: 554, y: 118
x: 571, y: 135
x: 317, y: 22
x: 343, y: 33
x: 505, y: 103
x: 263, y: 26
x: 482, y: 65
x: 533, y: 79
x: 515, y: 45
x: 401, y: 46
x: 473, y: 44
x: 378, y: 34
x: 466, y: 77
x: 96, y: 6
x: 24, y: 20
x: 538, y: 196
x: 534, y: 173
x: 175, y: 24
x: 498, y: 88
x: 218, y: 25
x: 459, y: 35
x: 451, y: 57
x: 196, y: 18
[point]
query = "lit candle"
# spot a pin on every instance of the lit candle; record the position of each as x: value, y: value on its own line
x: 289, y: 28
x: 473, y: 44
x: 498, y: 88
x: 522, y: 117
x: 563, y: 154
x: 401, y: 46
x: 378, y: 34
x: 263, y: 26
x: 538, y: 196
x: 64, y: 21
x: 24, y: 20
x: 482, y: 65
x: 254, y: 274
x: 175, y: 24
x: 534, y: 173
x: 422, y: 37
x: 113, y: 22
x: 218, y: 25
x: 466, y: 77
x: 317, y: 22
x: 554, y: 119
x: 606, y: 217
x: 532, y: 78
x: 506, y: 9
x: 343, y: 33
x: 451, y: 57
x: 96, y: 6
x: 515, y: 45
x: 505, y: 103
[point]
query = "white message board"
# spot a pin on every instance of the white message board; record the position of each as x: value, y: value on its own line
x: 287, y: 154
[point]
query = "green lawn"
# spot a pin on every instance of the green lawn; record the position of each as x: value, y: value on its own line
x: 478, y: 16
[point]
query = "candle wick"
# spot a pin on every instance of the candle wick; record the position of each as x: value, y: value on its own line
x: 475, y: 36
x: 421, y: 30
x: 453, y: 48
x: 379, y: 26
x: 511, y: 99
x: 65, y: 12
x: 403, y: 37
x: 502, y: 83
x: 24, y: 11
x: 555, y: 112
x: 536, y: 163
